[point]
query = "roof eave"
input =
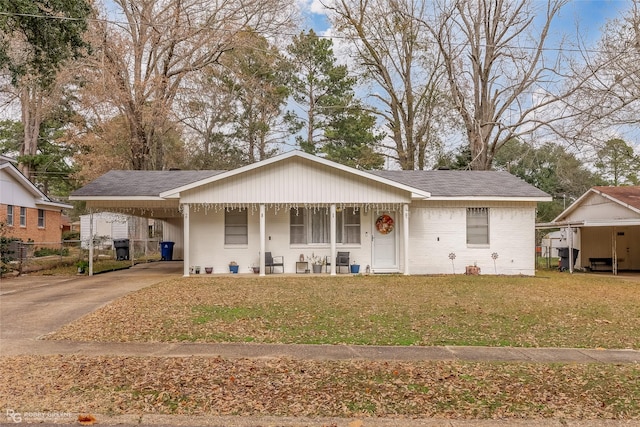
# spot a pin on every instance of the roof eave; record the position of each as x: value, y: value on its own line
x: 116, y: 198
x: 53, y: 204
x: 626, y: 222
x: 493, y: 198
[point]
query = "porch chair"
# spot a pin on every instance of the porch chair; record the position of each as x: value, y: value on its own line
x: 342, y: 260
x: 271, y: 262
x: 327, y: 263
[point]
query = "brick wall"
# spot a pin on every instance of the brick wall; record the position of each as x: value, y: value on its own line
x: 52, y: 231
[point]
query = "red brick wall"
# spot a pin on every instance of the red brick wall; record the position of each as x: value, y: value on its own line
x: 51, y: 233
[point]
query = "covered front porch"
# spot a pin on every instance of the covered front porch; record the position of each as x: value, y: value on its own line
x: 375, y: 237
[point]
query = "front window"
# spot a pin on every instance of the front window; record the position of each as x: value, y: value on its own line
x: 10, y: 215
x: 23, y: 217
x: 235, y: 227
x: 41, y: 218
x: 313, y: 226
x: 477, y: 226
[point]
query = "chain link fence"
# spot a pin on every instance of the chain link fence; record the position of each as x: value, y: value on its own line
x: 24, y: 257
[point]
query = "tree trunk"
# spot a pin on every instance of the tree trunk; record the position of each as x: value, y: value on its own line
x: 31, y: 104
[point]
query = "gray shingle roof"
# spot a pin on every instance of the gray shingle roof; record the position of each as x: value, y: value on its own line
x: 440, y: 183
x: 456, y: 183
x: 128, y: 183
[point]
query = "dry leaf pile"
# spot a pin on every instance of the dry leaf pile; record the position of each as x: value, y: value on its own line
x: 282, y: 387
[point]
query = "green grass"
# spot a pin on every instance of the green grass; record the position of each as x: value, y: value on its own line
x: 550, y: 310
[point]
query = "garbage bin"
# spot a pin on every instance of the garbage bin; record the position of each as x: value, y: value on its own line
x: 122, y: 249
x: 563, y: 253
x: 166, y: 250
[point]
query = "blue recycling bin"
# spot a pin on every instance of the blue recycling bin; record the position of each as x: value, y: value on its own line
x: 166, y: 250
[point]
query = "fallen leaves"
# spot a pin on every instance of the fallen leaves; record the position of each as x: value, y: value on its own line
x: 566, y: 311
x: 347, y: 389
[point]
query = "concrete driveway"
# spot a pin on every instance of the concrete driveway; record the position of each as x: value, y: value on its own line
x: 33, y: 306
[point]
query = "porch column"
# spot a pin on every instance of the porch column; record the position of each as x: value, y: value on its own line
x: 263, y: 234
x: 90, y: 243
x: 332, y: 217
x: 405, y: 236
x: 185, y: 239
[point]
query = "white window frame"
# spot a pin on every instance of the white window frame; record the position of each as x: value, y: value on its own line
x: 23, y: 216
x: 10, y: 210
x: 41, y: 218
x: 236, y: 227
x: 478, y: 227
x: 304, y: 218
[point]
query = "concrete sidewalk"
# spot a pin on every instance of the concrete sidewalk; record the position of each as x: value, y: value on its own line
x: 12, y: 347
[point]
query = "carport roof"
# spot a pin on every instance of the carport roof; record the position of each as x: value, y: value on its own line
x: 128, y: 183
x: 628, y: 197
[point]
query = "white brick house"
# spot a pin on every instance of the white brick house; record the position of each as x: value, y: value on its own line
x: 296, y: 205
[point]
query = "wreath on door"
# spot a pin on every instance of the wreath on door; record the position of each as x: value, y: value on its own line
x: 384, y: 224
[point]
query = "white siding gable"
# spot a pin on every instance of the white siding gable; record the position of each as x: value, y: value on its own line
x: 595, y: 207
x: 298, y: 181
x: 13, y: 193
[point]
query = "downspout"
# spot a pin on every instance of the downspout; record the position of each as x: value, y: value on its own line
x: 185, y: 238
x: 263, y: 234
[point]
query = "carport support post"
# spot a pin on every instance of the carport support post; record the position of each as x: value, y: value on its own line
x: 570, y: 238
x: 185, y: 228
x: 263, y: 235
x: 614, y: 252
x: 91, y: 243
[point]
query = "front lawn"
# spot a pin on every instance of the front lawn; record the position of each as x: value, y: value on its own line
x: 549, y: 310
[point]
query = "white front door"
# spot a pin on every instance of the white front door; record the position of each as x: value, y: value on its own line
x: 385, y: 243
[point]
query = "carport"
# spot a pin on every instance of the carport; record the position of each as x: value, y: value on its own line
x: 137, y: 193
x: 604, y: 225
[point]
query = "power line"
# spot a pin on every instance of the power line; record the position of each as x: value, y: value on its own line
x: 286, y: 34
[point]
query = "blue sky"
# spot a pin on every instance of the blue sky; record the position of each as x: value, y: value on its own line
x: 592, y: 14
x: 589, y: 15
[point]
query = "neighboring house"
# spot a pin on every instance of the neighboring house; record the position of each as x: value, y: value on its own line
x: 105, y: 225
x: 109, y: 226
x: 552, y: 241
x: 604, y: 226
x: 28, y: 213
x: 298, y: 205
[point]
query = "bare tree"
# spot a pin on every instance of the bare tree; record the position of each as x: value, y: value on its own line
x: 36, y: 103
x: 609, y: 99
x: 504, y: 82
x: 404, y: 68
x: 141, y: 63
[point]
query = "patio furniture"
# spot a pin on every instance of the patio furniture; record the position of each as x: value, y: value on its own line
x: 327, y: 263
x: 273, y: 261
x: 342, y: 260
